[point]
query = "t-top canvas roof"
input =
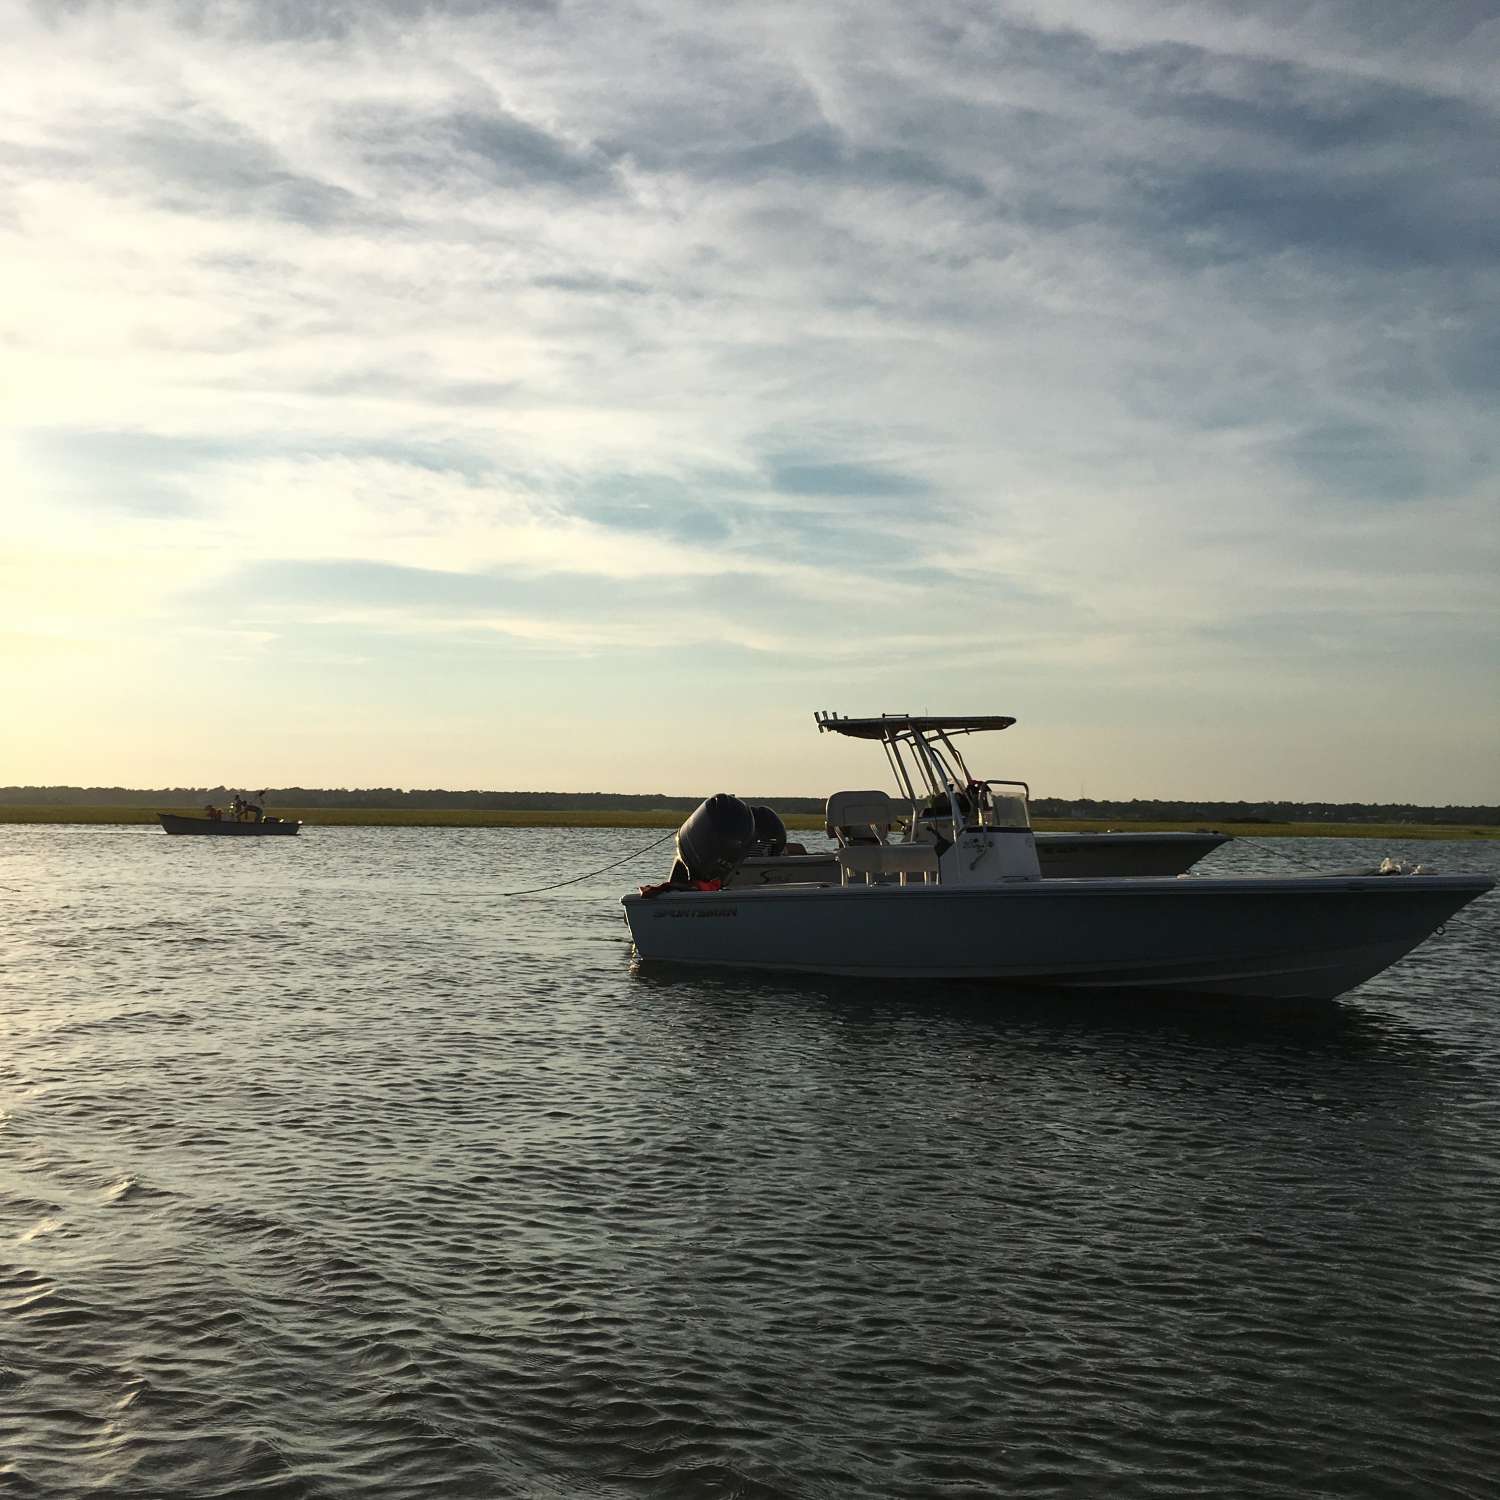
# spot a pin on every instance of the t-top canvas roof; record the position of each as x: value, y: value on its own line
x: 889, y: 726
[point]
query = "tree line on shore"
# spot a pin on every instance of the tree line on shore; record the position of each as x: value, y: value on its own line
x: 1136, y: 809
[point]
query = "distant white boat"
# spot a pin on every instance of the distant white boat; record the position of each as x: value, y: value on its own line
x: 961, y: 896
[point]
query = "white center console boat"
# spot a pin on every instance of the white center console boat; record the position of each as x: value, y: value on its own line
x: 959, y: 894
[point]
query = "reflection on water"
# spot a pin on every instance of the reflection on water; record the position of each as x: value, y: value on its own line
x: 325, y: 1171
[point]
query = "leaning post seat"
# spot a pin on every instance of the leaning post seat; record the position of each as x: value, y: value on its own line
x: 859, y: 817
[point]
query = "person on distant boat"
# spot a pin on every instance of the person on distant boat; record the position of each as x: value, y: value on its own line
x: 215, y: 814
x: 252, y: 810
x: 237, y: 807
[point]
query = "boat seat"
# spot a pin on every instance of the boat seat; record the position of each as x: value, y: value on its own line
x: 859, y: 817
x: 903, y: 860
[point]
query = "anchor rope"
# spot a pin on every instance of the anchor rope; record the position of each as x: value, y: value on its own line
x: 533, y: 890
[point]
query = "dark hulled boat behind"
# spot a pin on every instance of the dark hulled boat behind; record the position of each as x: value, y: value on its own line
x: 227, y: 827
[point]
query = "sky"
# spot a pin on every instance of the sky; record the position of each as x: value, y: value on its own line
x: 576, y: 397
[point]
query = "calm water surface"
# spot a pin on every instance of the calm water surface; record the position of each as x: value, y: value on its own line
x: 327, y: 1171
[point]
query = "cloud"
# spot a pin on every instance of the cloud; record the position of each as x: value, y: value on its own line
x: 338, y: 20
x: 471, y: 150
x: 1357, y: 460
x: 818, y: 153
x: 1375, y: 217
x: 139, y: 473
x: 197, y: 163
x: 793, y: 476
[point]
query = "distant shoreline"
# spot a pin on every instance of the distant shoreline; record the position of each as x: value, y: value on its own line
x: 671, y: 817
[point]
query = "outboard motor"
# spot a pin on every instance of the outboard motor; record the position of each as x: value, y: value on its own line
x: 716, y: 837
x: 770, y: 831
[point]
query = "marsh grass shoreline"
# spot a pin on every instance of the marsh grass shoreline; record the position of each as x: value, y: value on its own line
x: 668, y: 818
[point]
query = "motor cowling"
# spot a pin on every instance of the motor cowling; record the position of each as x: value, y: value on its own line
x: 717, y: 835
x: 770, y: 831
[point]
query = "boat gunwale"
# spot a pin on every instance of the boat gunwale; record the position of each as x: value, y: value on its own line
x: 1141, y: 885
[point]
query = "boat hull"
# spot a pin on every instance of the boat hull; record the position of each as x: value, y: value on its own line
x: 1062, y: 856
x: 1301, y: 938
x: 228, y: 827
